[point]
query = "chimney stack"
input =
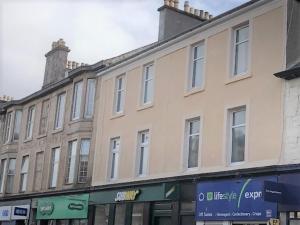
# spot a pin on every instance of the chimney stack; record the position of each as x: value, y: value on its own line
x: 173, y: 21
x: 56, y: 60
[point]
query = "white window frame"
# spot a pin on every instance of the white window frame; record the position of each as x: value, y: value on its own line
x: 10, y: 175
x: 147, y: 81
x: 190, y: 86
x: 8, y: 127
x: 60, y: 111
x: 54, y: 167
x: 114, y: 151
x: 234, y: 45
x: 119, y: 109
x: 3, y: 175
x: 71, y: 162
x: 187, y: 144
x: 24, y: 174
x: 79, y: 178
x: 30, y: 122
x: 77, y: 100
x: 230, y: 126
x: 90, y: 98
x: 146, y: 148
x: 17, y: 125
x: 35, y: 170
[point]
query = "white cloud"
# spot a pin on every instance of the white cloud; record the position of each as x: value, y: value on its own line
x: 94, y: 30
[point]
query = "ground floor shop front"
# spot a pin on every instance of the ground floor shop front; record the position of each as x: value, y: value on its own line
x: 159, y: 204
x: 15, y: 212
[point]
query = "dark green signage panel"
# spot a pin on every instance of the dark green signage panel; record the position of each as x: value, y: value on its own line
x: 63, y: 207
x: 160, y: 192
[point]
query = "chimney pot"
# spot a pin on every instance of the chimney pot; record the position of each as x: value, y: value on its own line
x: 176, y: 4
x: 206, y: 15
x: 167, y: 2
x: 191, y: 10
x: 172, y: 3
x: 201, y: 14
x: 211, y: 16
x: 186, y: 6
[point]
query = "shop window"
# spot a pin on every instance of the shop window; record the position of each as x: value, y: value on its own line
x: 120, y: 214
x: 137, y: 214
x: 101, y: 214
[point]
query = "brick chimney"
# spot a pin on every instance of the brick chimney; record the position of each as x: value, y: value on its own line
x: 56, y: 61
x: 173, y: 21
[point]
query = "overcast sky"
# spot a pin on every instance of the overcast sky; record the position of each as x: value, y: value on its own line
x: 92, y: 29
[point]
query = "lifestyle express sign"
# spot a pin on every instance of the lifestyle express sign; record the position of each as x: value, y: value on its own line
x: 239, y: 199
x: 63, y: 207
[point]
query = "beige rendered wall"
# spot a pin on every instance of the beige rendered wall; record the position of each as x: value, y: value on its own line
x: 259, y: 90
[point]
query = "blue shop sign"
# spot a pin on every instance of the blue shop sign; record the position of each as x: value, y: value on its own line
x: 236, y: 199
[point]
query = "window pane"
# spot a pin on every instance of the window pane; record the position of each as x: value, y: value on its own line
x: 90, y: 98
x: 238, y: 144
x: 30, y: 119
x: 44, y: 117
x: 2, y: 173
x: 17, y: 125
x: 241, y: 58
x: 143, y: 152
x: 7, y: 127
x: 71, y: 162
x: 54, y: 167
x: 77, y: 94
x: 38, y: 177
x: 137, y: 213
x: 115, y: 145
x: 60, y: 110
x: 101, y: 214
x: 119, y: 94
x: 197, y: 78
x: 148, y: 85
x: 193, y: 151
x: 193, y: 129
x: 239, y: 117
x: 199, y: 51
x: 120, y: 214
x: 242, y: 34
x: 83, y: 160
x: 24, y: 173
x: 10, y: 175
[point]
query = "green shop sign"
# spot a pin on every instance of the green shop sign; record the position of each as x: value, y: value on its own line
x: 159, y: 192
x: 63, y: 207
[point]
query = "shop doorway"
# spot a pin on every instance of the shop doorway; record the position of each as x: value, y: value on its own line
x: 162, y: 220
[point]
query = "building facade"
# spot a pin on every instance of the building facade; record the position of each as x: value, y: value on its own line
x: 192, y: 129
